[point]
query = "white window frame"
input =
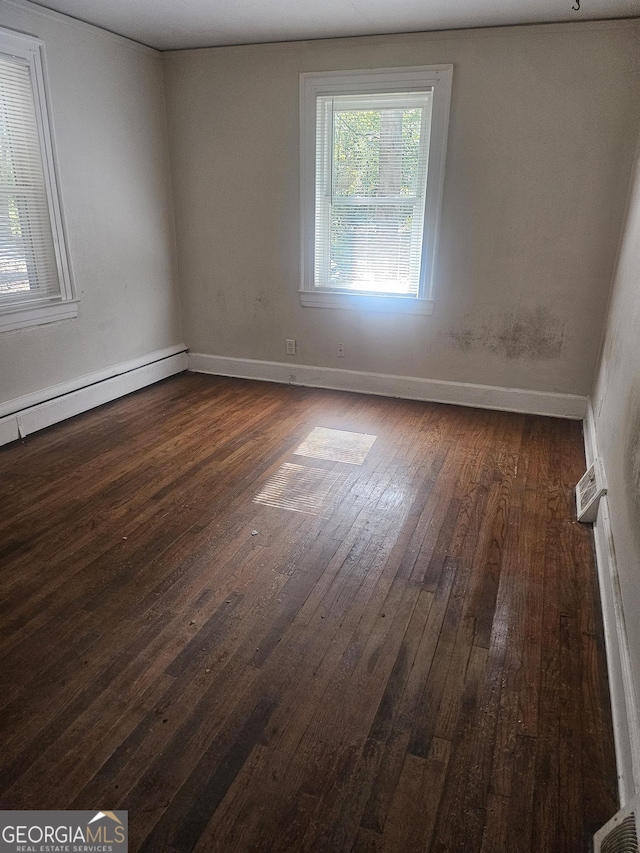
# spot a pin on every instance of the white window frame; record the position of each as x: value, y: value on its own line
x: 62, y: 306
x: 436, y: 78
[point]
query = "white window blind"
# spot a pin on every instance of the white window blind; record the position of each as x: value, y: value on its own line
x: 35, y: 285
x: 371, y: 180
x: 28, y: 264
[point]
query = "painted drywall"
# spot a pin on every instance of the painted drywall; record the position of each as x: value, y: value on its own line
x: 616, y: 402
x: 541, y: 140
x: 107, y: 109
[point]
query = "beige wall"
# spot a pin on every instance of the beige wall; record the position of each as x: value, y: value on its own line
x: 540, y: 151
x: 616, y: 402
x: 107, y: 106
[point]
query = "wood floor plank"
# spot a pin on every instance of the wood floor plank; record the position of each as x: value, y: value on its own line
x: 414, y: 809
x: 496, y: 828
x: 392, y: 653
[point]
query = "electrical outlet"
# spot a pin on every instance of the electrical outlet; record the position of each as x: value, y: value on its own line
x: 290, y: 346
x: 340, y: 351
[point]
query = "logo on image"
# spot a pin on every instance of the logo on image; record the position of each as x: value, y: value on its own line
x: 63, y: 831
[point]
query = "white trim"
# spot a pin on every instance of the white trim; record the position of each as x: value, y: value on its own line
x: 419, y: 78
x: 407, y: 387
x: 8, y: 430
x: 18, y: 317
x: 19, y: 403
x: 624, y: 704
x: 33, y: 412
x: 588, y: 430
x: 366, y: 302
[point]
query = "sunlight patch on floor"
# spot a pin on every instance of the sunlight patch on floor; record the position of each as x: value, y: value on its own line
x: 336, y: 445
x: 298, y: 488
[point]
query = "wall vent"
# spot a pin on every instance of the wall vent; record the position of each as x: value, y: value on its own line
x: 621, y: 834
x: 589, y: 490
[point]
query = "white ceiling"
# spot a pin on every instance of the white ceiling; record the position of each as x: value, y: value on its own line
x: 168, y: 24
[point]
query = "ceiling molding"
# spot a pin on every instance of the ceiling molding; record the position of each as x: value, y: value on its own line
x: 70, y: 20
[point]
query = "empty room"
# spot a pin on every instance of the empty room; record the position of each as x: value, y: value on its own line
x: 320, y: 426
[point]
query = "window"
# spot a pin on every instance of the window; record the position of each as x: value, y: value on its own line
x: 372, y: 171
x: 35, y: 285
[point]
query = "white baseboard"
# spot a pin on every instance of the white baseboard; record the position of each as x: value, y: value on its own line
x: 624, y: 705
x: 8, y: 430
x: 24, y: 415
x: 407, y: 387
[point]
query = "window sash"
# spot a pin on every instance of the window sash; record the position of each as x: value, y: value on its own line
x: 380, y: 253
x: 34, y: 269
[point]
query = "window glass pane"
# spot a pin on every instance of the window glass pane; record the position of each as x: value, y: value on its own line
x: 375, y: 152
x: 371, y: 248
x: 28, y: 266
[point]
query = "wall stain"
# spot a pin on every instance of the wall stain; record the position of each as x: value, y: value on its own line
x: 261, y: 305
x: 632, y: 460
x: 534, y: 334
x: 464, y: 338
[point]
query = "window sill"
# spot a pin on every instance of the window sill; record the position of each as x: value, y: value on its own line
x: 19, y: 317
x: 366, y: 302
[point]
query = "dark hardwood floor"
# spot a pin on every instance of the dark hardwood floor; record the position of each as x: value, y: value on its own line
x: 256, y: 650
